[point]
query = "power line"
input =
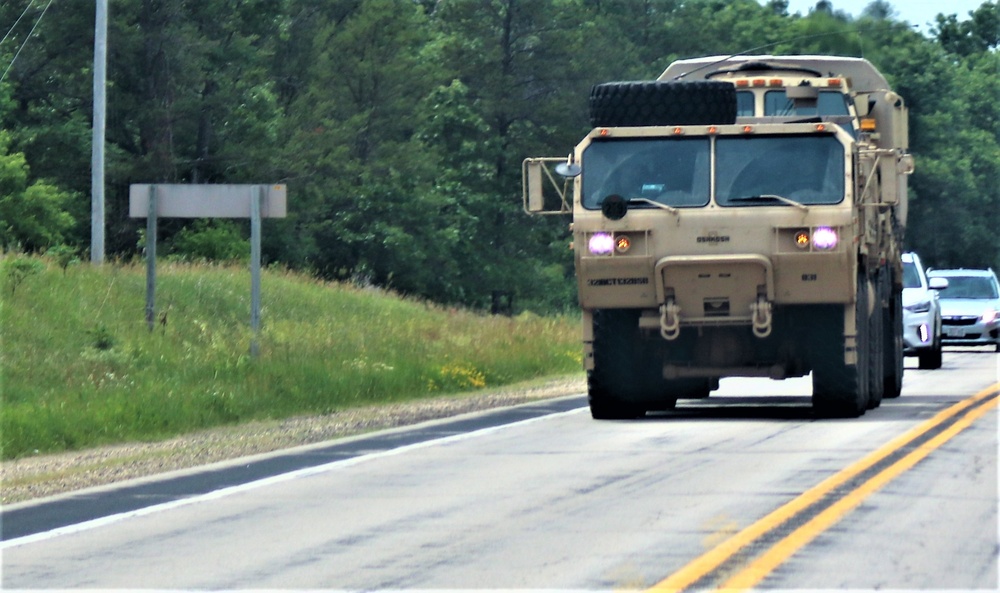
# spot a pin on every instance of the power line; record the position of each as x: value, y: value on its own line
x: 14, y: 26
x: 30, y: 33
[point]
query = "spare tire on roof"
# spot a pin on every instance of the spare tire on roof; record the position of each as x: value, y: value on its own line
x: 662, y: 103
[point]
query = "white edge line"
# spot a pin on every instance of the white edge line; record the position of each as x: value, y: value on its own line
x: 264, y: 482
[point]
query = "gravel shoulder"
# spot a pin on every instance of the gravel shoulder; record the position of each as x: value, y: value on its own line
x: 47, y: 475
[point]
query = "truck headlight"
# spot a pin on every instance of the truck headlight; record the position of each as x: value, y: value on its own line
x: 601, y: 244
x: 824, y: 238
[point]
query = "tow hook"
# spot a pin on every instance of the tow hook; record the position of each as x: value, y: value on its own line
x: 761, y: 314
x: 670, y: 320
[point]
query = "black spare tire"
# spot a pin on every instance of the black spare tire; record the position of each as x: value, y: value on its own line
x: 661, y: 103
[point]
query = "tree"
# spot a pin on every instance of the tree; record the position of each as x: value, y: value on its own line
x: 979, y: 34
x: 361, y: 174
x: 33, y: 216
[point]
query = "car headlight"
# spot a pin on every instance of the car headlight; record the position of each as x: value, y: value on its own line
x: 921, y: 307
x: 989, y: 316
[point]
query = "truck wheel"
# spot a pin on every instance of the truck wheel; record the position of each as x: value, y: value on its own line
x: 893, y: 327
x: 840, y: 390
x: 627, y: 378
x: 659, y: 103
x: 604, y: 405
x: 689, y: 388
x: 876, y: 354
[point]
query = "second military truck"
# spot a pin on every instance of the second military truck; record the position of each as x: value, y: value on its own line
x: 738, y: 216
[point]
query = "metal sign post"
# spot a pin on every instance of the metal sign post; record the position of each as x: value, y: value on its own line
x: 207, y: 201
x: 151, y: 259
x: 255, y: 200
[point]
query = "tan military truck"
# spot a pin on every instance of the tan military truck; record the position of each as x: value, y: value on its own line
x: 738, y: 216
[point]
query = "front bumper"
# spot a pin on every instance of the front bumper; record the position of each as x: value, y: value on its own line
x: 918, y: 332
x: 969, y: 331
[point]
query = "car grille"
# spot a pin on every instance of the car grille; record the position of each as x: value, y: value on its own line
x: 963, y: 320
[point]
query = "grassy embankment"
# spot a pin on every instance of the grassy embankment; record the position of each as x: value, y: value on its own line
x: 80, y: 368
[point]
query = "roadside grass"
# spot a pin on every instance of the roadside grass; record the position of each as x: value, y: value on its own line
x: 79, y: 367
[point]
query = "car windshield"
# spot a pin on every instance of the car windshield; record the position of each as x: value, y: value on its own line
x: 970, y: 287
x: 805, y: 169
x: 911, y: 277
x: 674, y: 172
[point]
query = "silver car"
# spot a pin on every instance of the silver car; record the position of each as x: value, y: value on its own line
x: 970, y: 308
x: 921, y: 313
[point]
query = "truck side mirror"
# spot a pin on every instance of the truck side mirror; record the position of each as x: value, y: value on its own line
x: 862, y: 105
x: 905, y: 164
x: 533, y: 186
x: 537, y: 177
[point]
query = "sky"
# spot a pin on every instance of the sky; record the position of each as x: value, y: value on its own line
x: 915, y: 12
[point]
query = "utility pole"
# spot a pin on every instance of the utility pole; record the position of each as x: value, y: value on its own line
x: 100, y: 108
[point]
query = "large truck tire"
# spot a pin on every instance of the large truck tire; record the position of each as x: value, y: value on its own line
x: 627, y: 378
x: 876, y: 352
x: 661, y: 103
x: 840, y: 390
x: 893, y: 327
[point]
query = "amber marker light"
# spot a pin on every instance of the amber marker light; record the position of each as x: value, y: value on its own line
x: 605, y: 131
x: 820, y: 127
x: 678, y: 131
x: 713, y: 130
x: 747, y: 129
x: 802, y: 239
x: 622, y: 244
x: 868, y: 124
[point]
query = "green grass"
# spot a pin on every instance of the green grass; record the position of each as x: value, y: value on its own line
x: 80, y: 367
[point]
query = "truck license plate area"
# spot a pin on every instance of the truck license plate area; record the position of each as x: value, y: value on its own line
x: 712, y: 290
x: 716, y: 307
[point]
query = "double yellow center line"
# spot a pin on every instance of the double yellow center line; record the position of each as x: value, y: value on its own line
x: 737, y: 564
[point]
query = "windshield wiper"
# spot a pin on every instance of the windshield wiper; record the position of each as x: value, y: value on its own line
x: 615, y: 206
x: 660, y: 205
x: 771, y: 198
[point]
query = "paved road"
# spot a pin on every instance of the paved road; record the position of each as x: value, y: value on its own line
x: 744, y: 489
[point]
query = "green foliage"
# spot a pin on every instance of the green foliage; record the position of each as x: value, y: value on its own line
x: 399, y: 127
x: 976, y: 35
x: 64, y: 256
x: 211, y: 240
x: 18, y: 268
x: 32, y: 215
x: 81, y: 368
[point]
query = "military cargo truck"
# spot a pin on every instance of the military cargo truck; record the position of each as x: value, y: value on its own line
x: 738, y: 216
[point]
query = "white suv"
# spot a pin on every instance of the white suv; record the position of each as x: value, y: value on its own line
x: 970, y: 308
x: 921, y: 313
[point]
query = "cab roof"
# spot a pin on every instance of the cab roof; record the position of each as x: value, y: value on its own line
x: 863, y: 76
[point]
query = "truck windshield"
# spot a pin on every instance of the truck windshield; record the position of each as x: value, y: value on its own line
x: 828, y: 103
x: 804, y: 169
x: 672, y: 171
